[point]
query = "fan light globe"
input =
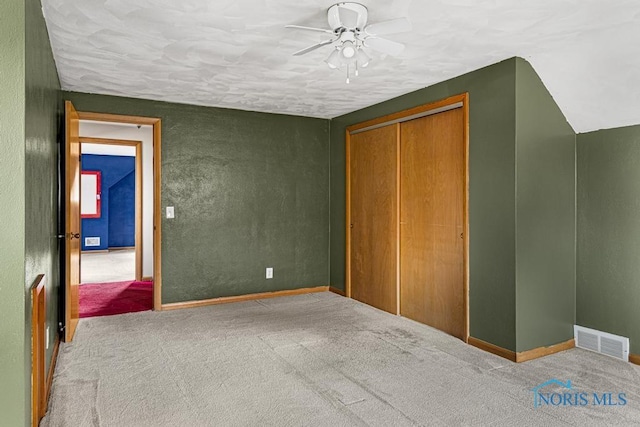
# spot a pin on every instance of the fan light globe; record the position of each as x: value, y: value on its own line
x: 348, y: 50
x: 333, y: 61
x: 362, y: 58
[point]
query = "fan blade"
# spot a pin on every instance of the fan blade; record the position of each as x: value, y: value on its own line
x: 312, y: 48
x: 319, y: 30
x: 348, y: 17
x: 384, y: 46
x: 393, y: 26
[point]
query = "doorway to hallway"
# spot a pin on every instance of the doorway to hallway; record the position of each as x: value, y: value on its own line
x: 146, y: 280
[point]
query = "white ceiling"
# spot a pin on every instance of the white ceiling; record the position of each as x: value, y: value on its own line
x: 237, y: 53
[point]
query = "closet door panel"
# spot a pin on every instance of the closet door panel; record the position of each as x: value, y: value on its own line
x: 431, y: 206
x: 373, y: 192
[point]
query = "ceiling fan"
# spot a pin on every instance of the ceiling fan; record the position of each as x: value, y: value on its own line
x: 351, y: 34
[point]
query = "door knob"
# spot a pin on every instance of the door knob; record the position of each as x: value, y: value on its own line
x: 74, y: 236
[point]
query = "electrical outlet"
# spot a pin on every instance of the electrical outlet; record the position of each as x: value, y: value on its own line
x: 269, y: 273
x: 47, y: 339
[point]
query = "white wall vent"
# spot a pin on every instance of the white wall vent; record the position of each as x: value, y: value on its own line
x: 92, y: 241
x: 602, y: 342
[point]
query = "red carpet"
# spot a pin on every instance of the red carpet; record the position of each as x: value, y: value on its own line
x: 106, y: 299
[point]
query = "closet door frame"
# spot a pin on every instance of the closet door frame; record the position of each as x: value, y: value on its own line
x: 456, y: 101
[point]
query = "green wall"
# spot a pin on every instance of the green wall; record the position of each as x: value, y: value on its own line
x: 492, y: 103
x: 14, y: 374
x: 250, y: 191
x: 42, y: 122
x: 545, y: 216
x: 608, y: 294
x: 29, y: 112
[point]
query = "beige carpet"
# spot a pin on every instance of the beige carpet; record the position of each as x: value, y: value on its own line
x: 112, y: 266
x: 312, y: 360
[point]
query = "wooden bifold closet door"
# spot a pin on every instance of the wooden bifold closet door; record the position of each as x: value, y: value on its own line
x: 406, y: 209
x: 431, y: 221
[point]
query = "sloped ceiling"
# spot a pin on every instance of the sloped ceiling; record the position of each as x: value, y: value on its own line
x: 237, y: 53
x: 109, y: 150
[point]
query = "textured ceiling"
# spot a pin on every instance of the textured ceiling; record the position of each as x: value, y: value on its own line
x: 237, y: 53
